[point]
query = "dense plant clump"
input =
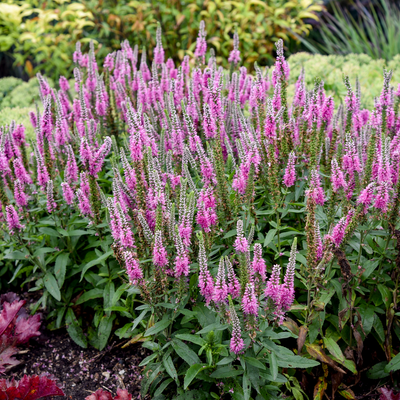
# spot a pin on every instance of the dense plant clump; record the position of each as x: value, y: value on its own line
x: 238, y: 221
x: 39, y: 34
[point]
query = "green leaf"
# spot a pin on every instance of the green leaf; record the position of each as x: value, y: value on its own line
x: 108, y: 295
x: 89, y: 295
x: 169, y: 367
x: 213, y: 327
x: 229, y: 234
x: 95, y: 262
x: 225, y: 360
x: 137, y: 320
x: 393, y: 365
x: 273, y: 364
x: 246, y: 387
x: 104, y: 330
x: 149, y: 380
x: 269, y: 237
x: 49, y: 231
x: 386, y: 295
x: 254, y: 362
x: 61, y: 267
x: 296, y: 362
x: 74, y: 330
x: 16, y: 255
x: 334, y: 349
x: 43, y: 250
x: 162, y: 387
x: 158, y: 327
x: 51, y: 285
x: 185, y: 352
x: 379, y: 328
x: 80, y: 232
x: 370, y: 267
x: 148, y: 359
x: 226, y: 372
x: 191, y: 338
x: 378, y: 371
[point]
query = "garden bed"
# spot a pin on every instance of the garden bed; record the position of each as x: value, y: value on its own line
x: 80, y: 372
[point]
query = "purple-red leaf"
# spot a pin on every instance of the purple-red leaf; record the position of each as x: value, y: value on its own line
x: 123, y: 394
x: 29, y: 388
x: 6, y: 358
x: 16, y: 327
x: 25, y: 329
x: 8, y: 313
x: 101, y: 394
x: 387, y: 394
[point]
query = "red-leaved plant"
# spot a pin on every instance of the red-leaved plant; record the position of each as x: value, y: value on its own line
x: 29, y: 388
x: 101, y: 394
x: 388, y: 394
x: 16, y: 328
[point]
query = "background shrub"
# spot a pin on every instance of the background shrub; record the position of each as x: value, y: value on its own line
x: 41, y: 35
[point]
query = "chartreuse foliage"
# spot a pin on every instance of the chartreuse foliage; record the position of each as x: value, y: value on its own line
x: 244, y: 237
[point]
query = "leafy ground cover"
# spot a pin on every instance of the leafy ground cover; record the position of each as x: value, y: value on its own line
x: 251, y: 245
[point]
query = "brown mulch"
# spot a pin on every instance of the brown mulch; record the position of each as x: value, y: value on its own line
x: 80, y: 372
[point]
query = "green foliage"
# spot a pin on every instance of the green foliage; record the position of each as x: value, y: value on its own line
x: 332, y: 68
x: 25, y: 94
x: 7, y: 85
x: 7, y: 115
x: 41, y: 35
x: 374, y: 31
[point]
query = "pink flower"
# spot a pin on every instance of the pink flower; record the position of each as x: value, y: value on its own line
x: 159, y: 51
x: 290, y: 173
x: 12, y: 218
x: 234, y: 56
x: 68, y: 193
x: 234, y: 287
x: 132, y: 267
x: 206, y: 282
x: 51, y: 204
x: 315, y: 190
x: 249, y: 300
x: 201, y: 44
x: 241, y: 244
x: 258, y: 263
x: 221, y: 288
x: 160, y: 256
x: 21, y: 199
x: 337, y: 177
x: 237, y: 344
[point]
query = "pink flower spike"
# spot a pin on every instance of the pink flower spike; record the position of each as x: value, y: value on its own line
x: 68, y: 193
x: 51, y: 204
x: 249, y: 301
x: 12, y: 218
x: 132, y: 267
x: 21, y: 199
x: 290, y: 173
x: 221, y: 288
x: 234, y: 287
x: 159, y: 51
x: 206, y: 282
x: 234, y: 56
x: 258, y: 264
x: 160, y: 256
x: 201, y: 44
x: 237, y: 344
x: 241, y: 244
